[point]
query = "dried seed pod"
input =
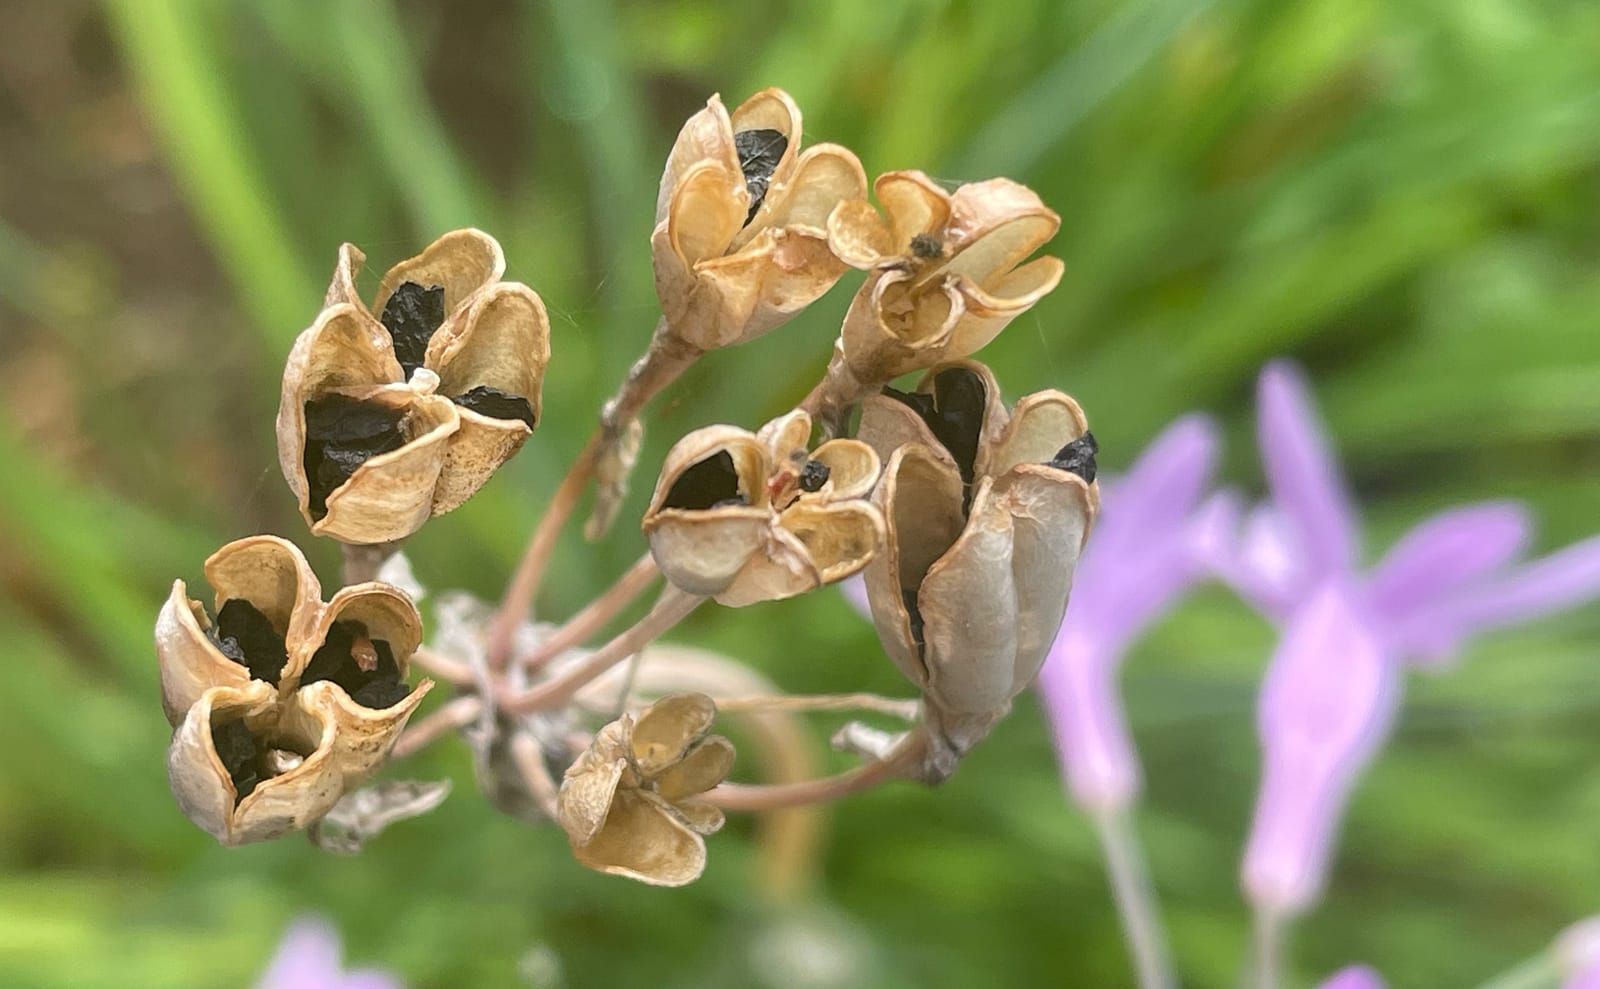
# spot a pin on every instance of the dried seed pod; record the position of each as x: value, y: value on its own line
x: 284, y: 702
x: 265, y: 592
x: 749, y: 517
x: 627, y: 803
x: 741, y: 240
x: 985, y: 523
x: 948, y: 272
x: 401, y: 411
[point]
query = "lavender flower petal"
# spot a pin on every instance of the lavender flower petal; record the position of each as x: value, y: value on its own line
x: 309, y: 958
x: 1445, y: 553
x: 1327, y: 703
x: 1551, y: 584
x: 1162, y: 487
x: 1305, y: 479
x: 1079, y: 687
x: 1354, y: 977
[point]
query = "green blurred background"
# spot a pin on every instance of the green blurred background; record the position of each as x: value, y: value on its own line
x: 1401, y: 194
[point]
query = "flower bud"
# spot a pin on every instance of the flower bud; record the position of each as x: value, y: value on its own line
x: 399, y: 412
x: 749, y: 517
x: 627, y: 803
x: 986, y: 514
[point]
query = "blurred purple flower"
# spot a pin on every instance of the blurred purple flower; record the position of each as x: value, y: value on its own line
x: 310, y: 958
x: 1578, y: 954
x: 1332, y: 690
x: 1143, y: 554
x: 1354, y: 977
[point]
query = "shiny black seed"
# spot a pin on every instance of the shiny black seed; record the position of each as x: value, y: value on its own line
x: 240, y: 755
x: 814, y: 475
x: 496, y: 404
x: 335, y: 661
x: 1077, y: 457
x: 927, y: 247
x: 341, y: 435
x: 710, y: 483
x: 379, y: 694
x: 954, y: 414
x: 917, y: 636
x: 411, y: 316
x: 759, y: 153
x: 247, y: 637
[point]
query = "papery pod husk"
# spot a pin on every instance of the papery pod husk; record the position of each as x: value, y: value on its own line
x: 391, y: 495
x: 644, y: 838
x: 461, y: 262
x: 920, y: 498
x: 279, y: 805
x: 365, y: 734
x: 190, y: 664
x: 664, y: 733
x: 269, y: 573
x: 590, y: 783
x: 505, y: 321
x: 700, y: 551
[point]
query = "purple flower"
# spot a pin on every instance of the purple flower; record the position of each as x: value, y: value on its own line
x: 1354, y: 977
x: 1331, y: 692
x: 1140, y: 559
x: 309, y: 958
x: 1577, y: 952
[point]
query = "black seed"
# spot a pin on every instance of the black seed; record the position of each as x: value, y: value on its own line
x: 759, y: 153
x: 379, y: 694
x: 917, y: 635
x: 341, y: 435
x: 814, y: 475
x: 927, y: 247
x: 334, y: 660
x: 1077, y: 457
x: 496, y: 404
x: 247, y: 637
x: 411, y: 316
x: 710, y: 483
x: 954, y: 414
x: 240, y: 755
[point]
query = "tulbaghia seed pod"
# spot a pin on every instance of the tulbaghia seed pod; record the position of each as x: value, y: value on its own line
x: 628, y: 803
x: 740, y: 246
x: 398, y: 412
x: 283, y: 703
x: 948, y: 272
x: 986, y: 514
x: 747, y: 517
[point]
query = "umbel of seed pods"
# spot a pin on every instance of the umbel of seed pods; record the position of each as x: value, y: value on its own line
x: 966, y: 517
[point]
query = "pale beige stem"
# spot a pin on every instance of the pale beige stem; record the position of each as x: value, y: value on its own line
x: 776, y: 796
x: 829, y: 403
x: 362, y: 562
x: 518, y: 601
x: 672, y: 607
x: 594, y: 617
x: 663, y: 363
x: 444, y: 668
x: 419, y: 735
x: 906, y: 710
x: 525, y: 752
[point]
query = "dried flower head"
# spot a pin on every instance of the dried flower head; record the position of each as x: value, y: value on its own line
x: 282, y: 703
x: 627, y: 803
x: 741, y: 239
x: 399, y: 412
x: 947, y: 275
x: 987, y: 513
x: 749, y: 517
